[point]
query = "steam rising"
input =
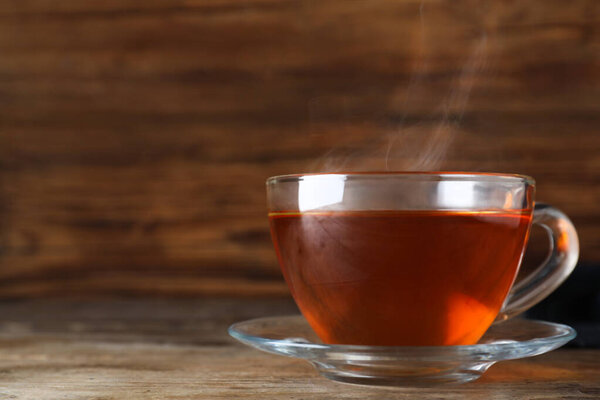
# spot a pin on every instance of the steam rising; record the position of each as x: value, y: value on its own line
x: 418, y: 146
x: 431, y: 148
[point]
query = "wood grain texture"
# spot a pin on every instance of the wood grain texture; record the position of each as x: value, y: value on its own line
x: 135, y: 137
x: 180, y: 350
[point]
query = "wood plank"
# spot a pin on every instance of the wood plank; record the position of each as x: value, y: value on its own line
x: 135, y: 137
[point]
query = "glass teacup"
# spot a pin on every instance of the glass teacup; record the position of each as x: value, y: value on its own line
x: 412, y: 258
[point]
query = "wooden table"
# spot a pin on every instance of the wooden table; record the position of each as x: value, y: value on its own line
x: 179, y: 349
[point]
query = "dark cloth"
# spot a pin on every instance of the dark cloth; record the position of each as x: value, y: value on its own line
x: 576, y: 303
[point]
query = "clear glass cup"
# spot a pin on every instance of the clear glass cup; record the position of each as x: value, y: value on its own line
x: 413, y: 258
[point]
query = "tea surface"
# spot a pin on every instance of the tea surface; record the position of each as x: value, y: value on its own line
x: 400, y: 277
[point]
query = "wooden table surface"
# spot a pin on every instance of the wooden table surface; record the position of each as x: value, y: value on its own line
x: 179, y: 349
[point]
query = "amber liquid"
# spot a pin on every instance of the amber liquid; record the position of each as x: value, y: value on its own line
x: 400, y: 277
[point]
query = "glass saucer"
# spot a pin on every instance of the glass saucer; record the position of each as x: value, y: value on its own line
x: 402, y: 365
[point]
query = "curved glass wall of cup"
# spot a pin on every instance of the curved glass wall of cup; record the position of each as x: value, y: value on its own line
x: 400, y: 191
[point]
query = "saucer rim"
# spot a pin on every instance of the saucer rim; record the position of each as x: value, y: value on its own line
x: 513, y: 346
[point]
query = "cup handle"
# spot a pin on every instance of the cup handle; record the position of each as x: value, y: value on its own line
x: 563, y: 255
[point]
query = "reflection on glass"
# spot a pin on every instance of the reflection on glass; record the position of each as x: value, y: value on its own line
x: 457, y: 194
x: 319, y: 191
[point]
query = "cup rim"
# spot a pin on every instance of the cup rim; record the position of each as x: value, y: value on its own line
x: 411, y: 175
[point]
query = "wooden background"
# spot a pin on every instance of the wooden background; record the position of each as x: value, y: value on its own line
x: 135, y: 136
